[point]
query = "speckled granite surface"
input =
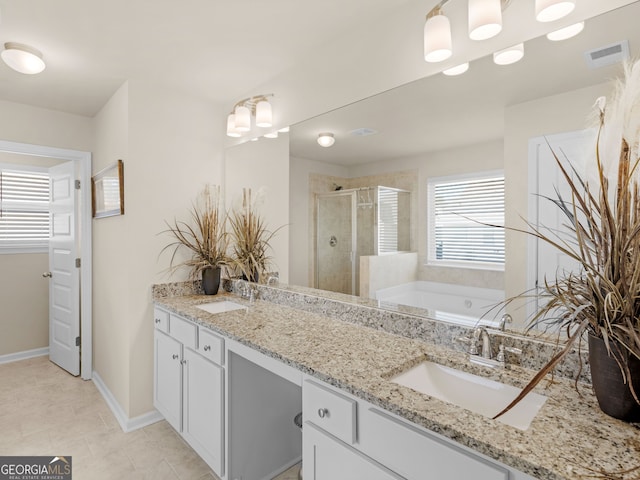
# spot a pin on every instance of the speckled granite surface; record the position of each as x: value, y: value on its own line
x: 570, y: 437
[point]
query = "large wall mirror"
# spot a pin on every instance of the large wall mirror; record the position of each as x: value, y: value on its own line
x: 440, y: 127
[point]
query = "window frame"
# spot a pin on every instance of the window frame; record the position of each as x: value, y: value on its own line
x: 431, y: 233
x: 26, y: 246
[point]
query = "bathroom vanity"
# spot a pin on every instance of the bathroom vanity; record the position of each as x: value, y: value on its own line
x: 232, y: 382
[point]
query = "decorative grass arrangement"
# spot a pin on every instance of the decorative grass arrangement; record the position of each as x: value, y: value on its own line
x: 603, y: 297
x: 250, y: 237
x: 205, y: 237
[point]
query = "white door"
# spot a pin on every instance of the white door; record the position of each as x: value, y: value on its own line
x: 64, y: 281
x: 575, y: 150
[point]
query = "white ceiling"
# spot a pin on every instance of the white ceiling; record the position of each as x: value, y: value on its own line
x: 440, y: 112
x: 216, y: 49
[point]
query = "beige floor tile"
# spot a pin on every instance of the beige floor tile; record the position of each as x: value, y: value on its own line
x: 191, y: 470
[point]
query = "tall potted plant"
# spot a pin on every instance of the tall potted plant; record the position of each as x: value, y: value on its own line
x: 602, y: 299
x: 250, y: 237
x: 205, y: 238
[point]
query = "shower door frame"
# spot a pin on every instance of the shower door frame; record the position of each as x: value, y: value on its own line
x: 354, y: 239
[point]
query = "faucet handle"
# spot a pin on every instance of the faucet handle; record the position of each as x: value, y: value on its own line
x: 502, y: 358
x: 472, y: 342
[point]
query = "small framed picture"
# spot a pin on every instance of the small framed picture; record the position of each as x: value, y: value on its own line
x: 107, y: 190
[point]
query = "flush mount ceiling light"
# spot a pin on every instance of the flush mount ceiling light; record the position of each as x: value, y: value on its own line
x: 566, y: 32
x: 550, y: 10
x: 457, y: 70
x: 326, y: 139
x: 239, y: 120
x: 23, y: 58
x: 509, y: 55
x: 437, y: 37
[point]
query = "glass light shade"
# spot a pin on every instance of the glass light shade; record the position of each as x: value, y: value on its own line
x: 509, y: 55
x: 457, y: 70
x: 566, y: 32
x: 271, y: 135
x: 23, y: 58
x: 264, y: 117
x: 284, y: 130
x: 437, y: 39
x: 550, y: 10
x: 243, y: 118
x: 485, y: 19
x: 326, y: 139
x: 231, y: 126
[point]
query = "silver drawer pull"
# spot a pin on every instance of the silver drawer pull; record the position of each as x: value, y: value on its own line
x: 157, y: 320
x: 207, y: 348
x: 175, y: 357
x: 183, y: 362
x: 323, y: 412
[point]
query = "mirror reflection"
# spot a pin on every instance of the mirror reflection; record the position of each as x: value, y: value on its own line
x: 440, y: 127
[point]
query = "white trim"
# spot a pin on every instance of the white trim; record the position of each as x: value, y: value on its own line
x: 16, y: 357
x: 82, y: 161
x: 127, y: 424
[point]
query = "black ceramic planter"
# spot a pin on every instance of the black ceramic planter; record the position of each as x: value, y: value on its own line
x: 614, y: 396
x: 211, y: 280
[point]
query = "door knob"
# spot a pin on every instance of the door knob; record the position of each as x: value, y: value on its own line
x: 46, y: 274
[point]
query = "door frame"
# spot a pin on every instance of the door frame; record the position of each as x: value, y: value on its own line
x: 82, y: 162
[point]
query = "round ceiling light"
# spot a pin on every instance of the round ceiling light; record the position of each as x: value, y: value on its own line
x: 550, y: 10
x: 326, y: 139
x: 23, y: 58
x: 509, y: 55
x: 566, y: 32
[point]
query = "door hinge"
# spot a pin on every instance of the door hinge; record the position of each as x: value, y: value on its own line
x: 78, y: 263
x: 77, y: 341
x: 77, y: 184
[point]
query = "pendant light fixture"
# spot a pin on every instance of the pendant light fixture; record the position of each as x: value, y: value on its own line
x: 509, y: 55
x: 566, y: 32
x: 550, y: 10
x: 239, y: 120
x: 437, y: 37
x: 23, y: 58
x: 485, y: 19
x: 457, y: 70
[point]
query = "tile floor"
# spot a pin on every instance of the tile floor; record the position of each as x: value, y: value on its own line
x: 46, y: 411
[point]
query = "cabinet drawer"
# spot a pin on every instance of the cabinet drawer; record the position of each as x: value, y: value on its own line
x: 183, y: 331
x: 410, y: 451
x: 211, y: 346
x: 161, y: 319
x: 329, y: 410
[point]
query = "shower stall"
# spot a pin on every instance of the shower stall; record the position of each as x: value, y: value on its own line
x: 354, y: 223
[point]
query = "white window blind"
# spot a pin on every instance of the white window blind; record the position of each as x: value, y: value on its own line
x: 459, y: 209
x: 387, y: 220
x: 24, y: 210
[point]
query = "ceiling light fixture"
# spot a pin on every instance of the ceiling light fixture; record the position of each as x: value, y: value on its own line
x: 509, y: 55
x: 326, y: 139
x: 23, y: 58
x: 566, y: 32
x: 551, y: 10
x: 485, y: 19
x: 239, y: 120
x: 437, y: 36
x: 457, y: 70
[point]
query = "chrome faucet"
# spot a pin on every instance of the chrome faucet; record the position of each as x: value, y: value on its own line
x: 481, y: 333
x: 242, y: 288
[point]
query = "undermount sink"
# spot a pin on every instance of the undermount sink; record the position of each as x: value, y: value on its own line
x: 478, y: 394
x: 221, y: 307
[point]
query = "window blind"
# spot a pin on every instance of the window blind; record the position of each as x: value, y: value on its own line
x: 459, y: 210
x: 387, y: 220
x: 24, y: 208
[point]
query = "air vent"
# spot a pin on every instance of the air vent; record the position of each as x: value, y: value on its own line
x: 607, y: 55
x: 362, y: 132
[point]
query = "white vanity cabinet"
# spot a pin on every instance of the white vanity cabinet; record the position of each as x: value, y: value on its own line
x: 348, y: 438
x: 189, y: 387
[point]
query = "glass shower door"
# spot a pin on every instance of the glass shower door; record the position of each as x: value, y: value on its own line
x: 335, y: 246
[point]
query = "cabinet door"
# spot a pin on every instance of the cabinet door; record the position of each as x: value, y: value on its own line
x: 167, y: 376
x: 202, y: 420
x: 327, y: 458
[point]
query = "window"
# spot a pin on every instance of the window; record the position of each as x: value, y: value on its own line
x: 24, y: 209
x: 459, y: 209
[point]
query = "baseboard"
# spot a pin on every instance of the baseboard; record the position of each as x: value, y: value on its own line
x: 16, y: 357
x: 127, y: 424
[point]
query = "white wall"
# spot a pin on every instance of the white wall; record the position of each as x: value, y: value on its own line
x: 24, y: 294
x: 264, y: 165
x: 170, y: 143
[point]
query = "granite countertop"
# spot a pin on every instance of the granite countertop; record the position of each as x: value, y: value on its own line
x: 569, y: 438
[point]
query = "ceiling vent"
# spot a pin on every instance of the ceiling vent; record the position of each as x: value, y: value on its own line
x: 607, y: 55
x: 363, y: 132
